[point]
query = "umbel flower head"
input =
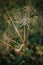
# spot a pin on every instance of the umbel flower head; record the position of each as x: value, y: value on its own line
x: 25, y: 20
x: 21, y: 17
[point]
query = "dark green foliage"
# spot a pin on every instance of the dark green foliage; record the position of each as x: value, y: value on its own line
x: 3, y: 25
x: 38, y: 4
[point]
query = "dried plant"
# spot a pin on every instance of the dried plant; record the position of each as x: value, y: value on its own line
x: 24, y: 22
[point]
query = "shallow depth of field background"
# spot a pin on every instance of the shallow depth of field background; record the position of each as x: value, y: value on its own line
x: 21, y: 32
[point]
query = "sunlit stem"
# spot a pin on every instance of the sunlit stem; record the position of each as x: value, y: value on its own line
x: 28, y: 30
x: 21, y: 47
x: 24, y: 34
x: 13, y: 23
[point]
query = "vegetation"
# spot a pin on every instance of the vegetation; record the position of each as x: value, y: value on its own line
x: 21, y: 32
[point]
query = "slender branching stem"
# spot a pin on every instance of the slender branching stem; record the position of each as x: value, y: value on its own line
x: 13, y: 23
